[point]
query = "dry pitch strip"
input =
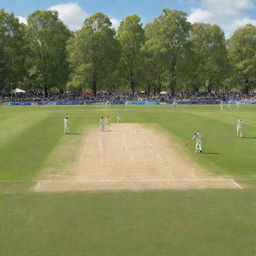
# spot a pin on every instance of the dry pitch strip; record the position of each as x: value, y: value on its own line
x: 131, y: 157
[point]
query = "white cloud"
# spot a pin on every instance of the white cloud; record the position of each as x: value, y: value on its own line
x: 22, y: 20
x: 242, y: 22
x: 71, y: 14
x: 115, y: 23
x: 199, y: 15
x: 229, y: 14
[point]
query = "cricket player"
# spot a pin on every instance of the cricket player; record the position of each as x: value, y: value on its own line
x: 239, y: 128
x: 230, y: 105
x: 106, y: 122
x: 237, y: 105
x: 197, y: 139
x: 174, y: 105
x: 101, y: 124
x: 118, y: 117
x: 221, y: 105
x: 66, y: 125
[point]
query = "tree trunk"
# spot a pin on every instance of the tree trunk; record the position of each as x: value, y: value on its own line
x: 45, y: 91
x: 246, y: 86
x: 173, y: 86
x: 133, y: 86
x: 94, y: 87
x: 149, y: 88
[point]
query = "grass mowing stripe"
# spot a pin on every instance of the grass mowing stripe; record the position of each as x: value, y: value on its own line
x: 13, y: 124
x: 147, y: 223
x: 20, y: 159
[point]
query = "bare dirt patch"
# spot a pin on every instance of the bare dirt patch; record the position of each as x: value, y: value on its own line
x: 130, y: 157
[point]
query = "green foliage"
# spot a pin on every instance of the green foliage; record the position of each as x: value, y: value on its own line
x: 12, y: 50
x: 131, y: 37
x: 93, y: 53
x: 242, y: 51
x: 170, y: 36
x: 167, y: 54
x: 210, y: 56
x: 47, y: 37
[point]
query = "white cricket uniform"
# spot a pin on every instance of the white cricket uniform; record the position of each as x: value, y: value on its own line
x: 237, y: 105
x: 101, y: 125
x: 221, y: 105
x: 229, y: 105
x: 65, y: 125
x: 106, y: 121
x: 198, y: 145
x: 239, y: 128
x: 174, y: 105
x: 118, y: 117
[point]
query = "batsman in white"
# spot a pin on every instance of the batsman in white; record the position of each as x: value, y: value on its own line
x: 239, y: 129
x: 197, y: 139
x: 66, y: 125
x: 118, y: 117
x: 101, y: 124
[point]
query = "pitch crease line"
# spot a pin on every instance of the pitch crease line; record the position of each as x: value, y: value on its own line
x: 236, y: 184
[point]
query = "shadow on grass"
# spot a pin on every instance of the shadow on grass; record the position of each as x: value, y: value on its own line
x: 74, y: 133
x: 209, y: 153
x: 250, y: 138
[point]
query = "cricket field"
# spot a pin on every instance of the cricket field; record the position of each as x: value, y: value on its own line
x: 134, y: 189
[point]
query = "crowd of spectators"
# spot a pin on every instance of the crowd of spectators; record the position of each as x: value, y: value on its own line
x: 121, y: 97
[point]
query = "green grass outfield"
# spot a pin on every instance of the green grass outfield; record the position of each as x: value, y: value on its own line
x: 182, y: 223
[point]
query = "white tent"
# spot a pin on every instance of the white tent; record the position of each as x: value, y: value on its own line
x: 17, y: 90
x: 163, y: 93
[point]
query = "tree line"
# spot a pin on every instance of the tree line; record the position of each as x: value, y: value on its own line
x: 169, y: 53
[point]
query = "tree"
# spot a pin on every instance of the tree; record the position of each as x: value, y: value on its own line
x: 210, y: 56
x: 171, y: 37
x: 93, y: 53
x: 153, y: 62
x: 242, y: 52
x: 131, y: 37
x: 12, y: 50
x: 47, y: 37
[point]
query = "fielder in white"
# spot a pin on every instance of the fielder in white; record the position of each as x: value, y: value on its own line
x: 237, y: 105
x: 174, y: 105
x: 66, y: 125
x: 221, y: 105
x: 118, y: 117
x: 197, y: 139
x: 230, y: 107
x: 106, y: 123
x: 101, y: 124
x: 239, y: 128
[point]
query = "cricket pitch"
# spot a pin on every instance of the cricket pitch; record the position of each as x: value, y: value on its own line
x: 132, y: 157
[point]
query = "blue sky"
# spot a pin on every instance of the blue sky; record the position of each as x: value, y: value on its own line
x: 229, y: 14
x: 115, y: 8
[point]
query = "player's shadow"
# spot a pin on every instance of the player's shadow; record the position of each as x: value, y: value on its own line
x: 250, y: 138
x: 74, y: 133
x: 211, y: 153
